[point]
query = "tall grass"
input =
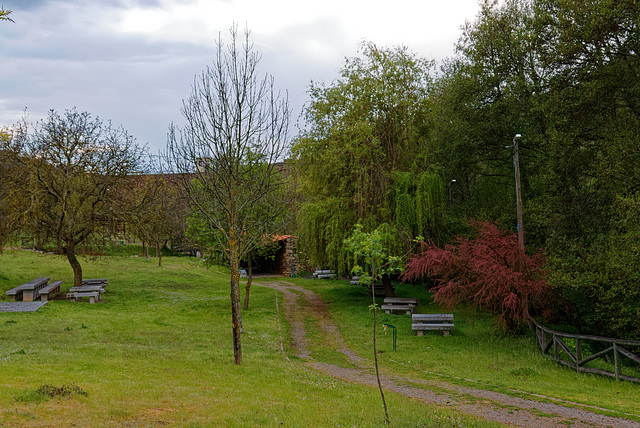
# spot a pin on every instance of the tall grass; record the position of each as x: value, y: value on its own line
x: 158, y: 351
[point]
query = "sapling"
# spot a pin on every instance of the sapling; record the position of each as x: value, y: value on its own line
x: 369, y: 248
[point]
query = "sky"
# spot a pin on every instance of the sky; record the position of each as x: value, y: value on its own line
x: 134, y: 61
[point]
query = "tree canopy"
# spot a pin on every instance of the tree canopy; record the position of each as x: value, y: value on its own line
x: 362, y: 131
x: 72, y: 176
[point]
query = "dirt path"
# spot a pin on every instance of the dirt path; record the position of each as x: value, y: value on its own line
x: 485, y: 404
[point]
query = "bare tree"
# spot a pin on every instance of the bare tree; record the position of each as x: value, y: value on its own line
x: 163, y: 216
x: 234, y: 137
x: 76, y: 179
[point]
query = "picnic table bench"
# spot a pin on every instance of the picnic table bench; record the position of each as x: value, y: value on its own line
x: 94, y: 296
x: 91, y: 288
x: 438, y: 322
x: 50, y: 290
x: 392, y: 304
x: 87, y: 288
x: 29, y: 291
x: 102, y: 282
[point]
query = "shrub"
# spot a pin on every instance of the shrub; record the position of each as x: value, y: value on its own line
x: 490, y: 270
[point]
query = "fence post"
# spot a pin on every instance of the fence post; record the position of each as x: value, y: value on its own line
x: 616, y: 359
x: 555, y: 347
x: 578, y: 353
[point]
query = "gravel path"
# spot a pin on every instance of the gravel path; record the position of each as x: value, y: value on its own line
x: 489, y: 405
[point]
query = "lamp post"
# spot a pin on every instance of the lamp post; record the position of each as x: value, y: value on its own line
x: 516, y: 165
x: 449, y: 191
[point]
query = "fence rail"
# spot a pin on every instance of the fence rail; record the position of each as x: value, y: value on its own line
x: 549, y: 340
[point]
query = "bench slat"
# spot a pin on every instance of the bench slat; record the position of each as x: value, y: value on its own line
x: 87, y: 288
x: 432, y: 326
x: 431, y: 317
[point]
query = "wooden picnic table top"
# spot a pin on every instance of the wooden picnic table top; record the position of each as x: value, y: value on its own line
x: 31, y: 285
x: 34, y: 283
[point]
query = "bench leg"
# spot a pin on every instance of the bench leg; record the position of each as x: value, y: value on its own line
x: 420, y: 332
x: 44, y: 297
x: 445, y: 332
x: 92, y: 299
x: 387, y: 311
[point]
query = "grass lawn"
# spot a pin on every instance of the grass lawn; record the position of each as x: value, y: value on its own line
x: 476, y: 354
x: 158, y: 351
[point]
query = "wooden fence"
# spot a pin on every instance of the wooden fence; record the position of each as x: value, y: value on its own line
x: 551, y: 340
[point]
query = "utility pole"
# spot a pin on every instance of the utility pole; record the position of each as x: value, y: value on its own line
x: 516, y: 164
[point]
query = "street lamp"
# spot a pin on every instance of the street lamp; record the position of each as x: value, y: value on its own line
x: 449, y: 191
x: 516, y: 165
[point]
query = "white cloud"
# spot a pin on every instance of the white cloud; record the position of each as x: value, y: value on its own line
x: 133, y: 60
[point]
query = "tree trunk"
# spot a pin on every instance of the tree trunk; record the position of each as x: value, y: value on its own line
x: 375, y: 351
x: 159, y: 253
x: 248, y: 287
x: 236, y: 317
x: 75, y: 265
x: 388, y: 286
x: 146, y: 250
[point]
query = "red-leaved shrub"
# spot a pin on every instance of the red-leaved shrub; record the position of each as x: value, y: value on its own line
x: 490, y: 270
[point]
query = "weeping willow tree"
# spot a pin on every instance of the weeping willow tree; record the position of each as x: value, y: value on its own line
x: 359, y: 132
x: 430, y: 206
x: 405, y: 206
x: 324, y: 226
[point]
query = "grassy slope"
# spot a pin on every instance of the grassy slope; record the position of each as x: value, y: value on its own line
x: 158, y: 351
x: 475, y: 355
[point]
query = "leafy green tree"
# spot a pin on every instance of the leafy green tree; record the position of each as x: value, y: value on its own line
x: 483, y: 98
x: 228, y: 154
x: 563, y: 73
x: 361, y: 130
x: 371, y: 250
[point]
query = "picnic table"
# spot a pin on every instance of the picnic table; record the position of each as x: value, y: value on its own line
x: 91, y: 288
x: 392, y: 304
x: 29, y: 291
x: 438, y: 322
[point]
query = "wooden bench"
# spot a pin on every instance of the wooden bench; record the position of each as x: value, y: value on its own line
x: 392, y: 304
x: 29, y: 291
x: 94, y: 296
x: 438, y: 322
x: 50, y: 290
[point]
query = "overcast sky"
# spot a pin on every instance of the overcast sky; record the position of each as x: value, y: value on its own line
x: 133, y: 61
